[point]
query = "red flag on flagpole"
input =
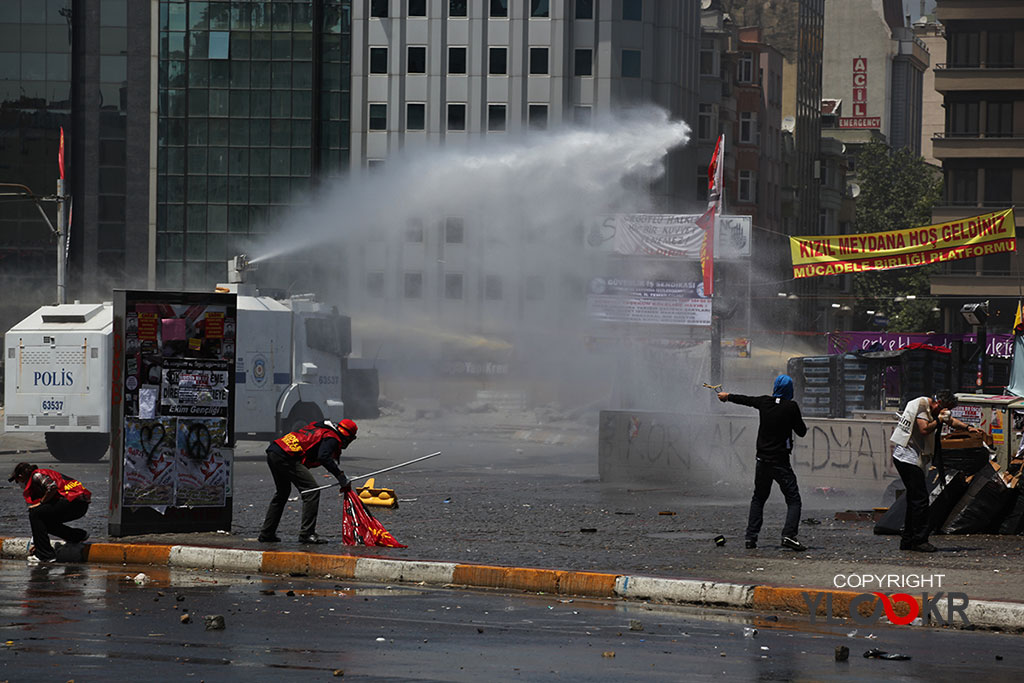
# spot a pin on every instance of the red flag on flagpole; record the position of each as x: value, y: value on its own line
x: 707, y: 221
x: 359, y: 527
x: 60, y: 154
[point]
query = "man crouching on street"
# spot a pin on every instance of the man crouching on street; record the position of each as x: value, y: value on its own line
x: 780, y: 418
x: 53, y: 499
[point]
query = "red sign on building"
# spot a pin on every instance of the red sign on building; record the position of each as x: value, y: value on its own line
x: 860, y: 90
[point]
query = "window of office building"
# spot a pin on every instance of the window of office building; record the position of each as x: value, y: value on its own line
x: 745, y: 67
x: 962, y: 186
x: 414, y: 232
x: 1000, y: 49
x: 497, y: 62
x: 999, y: 117
x: 633, y: 10
x: 538, y: 116
x: 492, y: 288
x: 539, y: 9
x: 584, y: 9
x: 378, y: 60
x: 963, y: 118
x: 631, y: 60
x: 581, y: 115
x: 454, y: 230
x: 706, y: 124
x: 456, y: 116
x: 417, y: 59
x: 453, y: 285
x: 417, y: 8
x: 496, y: 117
x: 747, y: 187
x: 412, y: 285
x: 748, y: 127
x: 415, y: 116
x: 499, y: 9
x: 584, y: 63
x: 538, y: 61
x: 378, y: 118
x: 708, y: 57
x: 456, y: 8
x: 998, y: 187
x: 379, y: 8
x: 456, y: 60
x: 375, y: 283
x: 964, y: 49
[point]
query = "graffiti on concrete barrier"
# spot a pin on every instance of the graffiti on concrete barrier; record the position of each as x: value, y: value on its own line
x: 665, y: 446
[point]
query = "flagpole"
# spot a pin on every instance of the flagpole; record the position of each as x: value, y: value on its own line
x: 716, y: 319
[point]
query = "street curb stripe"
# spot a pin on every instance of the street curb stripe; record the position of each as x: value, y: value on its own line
x: 985, y: 613
x: 795, y: 600
x: 587, y: 583
x: 376, y: 569
x: 684, y: 591
x: 126, y: 553
x: 520, y: 578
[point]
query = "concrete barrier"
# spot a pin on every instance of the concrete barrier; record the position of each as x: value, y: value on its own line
x: 642, y: 447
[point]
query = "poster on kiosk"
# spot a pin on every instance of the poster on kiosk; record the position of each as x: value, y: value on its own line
x: 172, y: 412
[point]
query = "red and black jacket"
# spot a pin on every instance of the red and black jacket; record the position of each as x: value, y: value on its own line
x: 318, y: 443
x: 43, y: 480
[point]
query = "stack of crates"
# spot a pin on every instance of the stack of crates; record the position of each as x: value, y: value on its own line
x: 923, y: 373
x: 813, y: 385
x: 860, y: 385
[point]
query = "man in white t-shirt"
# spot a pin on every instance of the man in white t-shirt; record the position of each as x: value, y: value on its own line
x: 913, y: 448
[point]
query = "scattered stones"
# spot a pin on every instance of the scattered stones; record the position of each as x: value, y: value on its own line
x: 185, y: 618
x: 608, y: 653
x: 842, y: 653
x: 214, y: 622
x: 635, y: 625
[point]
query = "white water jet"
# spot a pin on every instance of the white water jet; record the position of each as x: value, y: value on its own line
x: 542, y: 180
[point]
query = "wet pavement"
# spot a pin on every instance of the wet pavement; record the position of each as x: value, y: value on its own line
x: 510, y: 491
x: 97, y: 623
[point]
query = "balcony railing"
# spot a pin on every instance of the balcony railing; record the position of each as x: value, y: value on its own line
x: 946, y: 135
x: 980, y: 65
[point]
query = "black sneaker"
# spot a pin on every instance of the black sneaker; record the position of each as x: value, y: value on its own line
x: 750, y: 545
x: 267, y: 538
x: 792, y: 543
x: 313, y: 539
x: 925, y: 547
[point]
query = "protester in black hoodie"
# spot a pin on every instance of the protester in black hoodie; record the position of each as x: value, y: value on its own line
x: 780, y: 417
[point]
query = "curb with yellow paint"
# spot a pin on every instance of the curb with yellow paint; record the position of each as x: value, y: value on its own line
x: 982, y: 613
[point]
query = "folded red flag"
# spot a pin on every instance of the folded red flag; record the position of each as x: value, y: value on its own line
x: 359, y: 527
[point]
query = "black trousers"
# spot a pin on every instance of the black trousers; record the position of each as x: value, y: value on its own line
x: 764, y: 475
x: 915, y: 524
x: 287, y: 471
x: 48, y: 519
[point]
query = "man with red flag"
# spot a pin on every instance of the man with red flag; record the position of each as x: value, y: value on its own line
x: 290, y: 459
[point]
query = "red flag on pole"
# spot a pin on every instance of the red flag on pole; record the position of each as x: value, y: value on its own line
x: 707, y: 221
x: 359, y: 527
x: 60, y: 153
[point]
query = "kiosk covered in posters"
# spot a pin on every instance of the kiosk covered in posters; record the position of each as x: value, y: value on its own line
x: 172, y: 412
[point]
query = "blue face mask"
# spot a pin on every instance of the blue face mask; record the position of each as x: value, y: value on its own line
x: 783, y: 387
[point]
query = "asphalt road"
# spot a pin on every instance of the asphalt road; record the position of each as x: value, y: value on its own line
x: 499, y: 496
x: 94, y: 623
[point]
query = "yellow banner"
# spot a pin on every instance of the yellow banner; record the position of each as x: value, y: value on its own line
x: 990, y: 233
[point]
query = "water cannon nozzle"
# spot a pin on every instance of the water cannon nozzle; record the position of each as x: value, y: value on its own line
x: 237, y: 267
